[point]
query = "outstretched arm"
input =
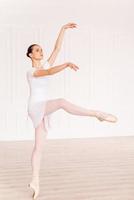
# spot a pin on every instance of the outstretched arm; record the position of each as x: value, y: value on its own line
x: 55, y: 69
x: 59, y: 41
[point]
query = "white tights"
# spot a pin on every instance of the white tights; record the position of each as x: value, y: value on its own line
x: 40, y: 133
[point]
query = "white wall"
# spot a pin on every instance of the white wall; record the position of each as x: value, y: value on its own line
x: 102, y: 46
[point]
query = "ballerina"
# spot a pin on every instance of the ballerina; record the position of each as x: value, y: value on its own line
x: 40, y: 106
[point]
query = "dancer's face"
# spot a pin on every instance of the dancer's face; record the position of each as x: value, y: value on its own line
x: 37, y: 53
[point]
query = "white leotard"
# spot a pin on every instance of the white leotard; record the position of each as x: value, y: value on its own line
x: 39, y: 94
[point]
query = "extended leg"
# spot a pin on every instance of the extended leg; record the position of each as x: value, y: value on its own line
x: 55, y: 104
x: 60, y: 103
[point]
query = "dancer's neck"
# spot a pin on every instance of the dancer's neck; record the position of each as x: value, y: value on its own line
x: 36, y: 63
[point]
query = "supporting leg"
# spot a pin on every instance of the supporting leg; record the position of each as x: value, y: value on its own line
x: 40, y: 136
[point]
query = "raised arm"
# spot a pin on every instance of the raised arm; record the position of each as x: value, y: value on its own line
x: 59, y: 41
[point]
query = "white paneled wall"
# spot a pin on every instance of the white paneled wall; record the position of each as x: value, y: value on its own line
x: 104, y: 81
x: 113, y: 76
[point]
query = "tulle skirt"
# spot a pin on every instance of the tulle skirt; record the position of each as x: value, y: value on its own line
x: 37, y: 113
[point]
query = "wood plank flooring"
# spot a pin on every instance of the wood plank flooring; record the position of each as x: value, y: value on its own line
x: 71, y: 169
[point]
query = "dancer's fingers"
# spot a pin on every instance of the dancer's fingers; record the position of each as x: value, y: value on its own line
x: 71, y: 25
x: 75, y: 68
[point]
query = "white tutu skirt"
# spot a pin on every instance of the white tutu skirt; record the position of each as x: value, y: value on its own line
x: 37, y: 113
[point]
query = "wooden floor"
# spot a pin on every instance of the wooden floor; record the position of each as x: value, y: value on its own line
x: 71, y: 169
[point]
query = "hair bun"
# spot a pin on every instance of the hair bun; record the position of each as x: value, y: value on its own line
x: 29, y: 50
x: 27, y: 54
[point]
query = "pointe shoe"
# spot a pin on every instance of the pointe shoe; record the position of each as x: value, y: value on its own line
x: 34, y: 190
x: 106, y: 117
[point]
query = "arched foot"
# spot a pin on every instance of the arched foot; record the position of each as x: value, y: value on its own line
x: 101, y: 116
x: 35, y: 190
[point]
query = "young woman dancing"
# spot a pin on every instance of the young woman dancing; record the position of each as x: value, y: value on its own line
x: 40, y: 106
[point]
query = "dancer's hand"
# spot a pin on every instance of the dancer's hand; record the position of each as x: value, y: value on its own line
x: 69, y: 25
x: 72, y: 66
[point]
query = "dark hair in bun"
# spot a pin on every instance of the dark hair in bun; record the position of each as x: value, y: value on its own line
x: 30, y: 49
